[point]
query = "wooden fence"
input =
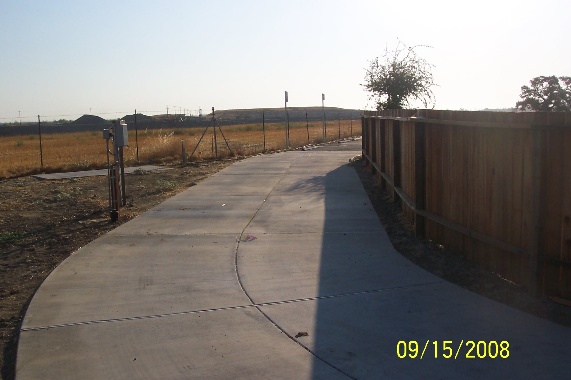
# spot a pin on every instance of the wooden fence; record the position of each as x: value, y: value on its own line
x: 494, y: 187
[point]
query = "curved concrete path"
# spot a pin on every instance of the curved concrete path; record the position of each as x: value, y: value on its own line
x: 276, y: 267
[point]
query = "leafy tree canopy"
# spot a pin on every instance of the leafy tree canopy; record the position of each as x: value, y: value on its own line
x: 546, y: 94
x: 398, y: 78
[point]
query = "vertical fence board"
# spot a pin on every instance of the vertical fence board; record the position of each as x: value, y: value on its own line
x: 407, y: 166
x: 377, y: 143
x: 551, y: 213
x: 526, y: 230
x: 452, y: 178
x: 389, y: 145
x: 373, y: 145
x: 431, y: 171
x: 516, y: 188
x: 419, y: 177
x: 565, y: 251
x: 382, y: 157
x: 364, y: 119
x: 479, y: 181
x: 467, y: 178
x: 397, y: 172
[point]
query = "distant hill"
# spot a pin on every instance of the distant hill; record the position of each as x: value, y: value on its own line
x: 86, y: 123
x: 278, y: 114
x: 95, y: 123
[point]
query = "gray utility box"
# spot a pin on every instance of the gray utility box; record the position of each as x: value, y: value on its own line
x: 121, y: 135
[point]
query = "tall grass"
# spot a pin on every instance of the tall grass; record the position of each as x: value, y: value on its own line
x: 20, y: 155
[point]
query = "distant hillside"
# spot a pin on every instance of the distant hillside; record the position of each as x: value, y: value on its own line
x: 223, y: 117
x: 85, y: 123
x: 278, y: 114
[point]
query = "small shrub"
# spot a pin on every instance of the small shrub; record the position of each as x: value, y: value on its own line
x: 166, y: 185
x: 61, y: 195
x: 10, y: 237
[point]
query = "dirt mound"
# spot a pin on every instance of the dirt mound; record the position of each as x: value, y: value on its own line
x: 130, y: 119
x: 90, y: 120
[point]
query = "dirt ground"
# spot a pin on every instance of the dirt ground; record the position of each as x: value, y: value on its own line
x: 42, y: 222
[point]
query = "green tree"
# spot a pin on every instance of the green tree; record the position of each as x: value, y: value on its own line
x: 398, y: 78
x: 546, y: 94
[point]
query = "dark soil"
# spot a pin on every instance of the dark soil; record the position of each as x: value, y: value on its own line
x: 42, y: 222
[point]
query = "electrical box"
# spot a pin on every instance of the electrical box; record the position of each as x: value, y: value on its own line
x: 106, y: 134
x: 121, y: 137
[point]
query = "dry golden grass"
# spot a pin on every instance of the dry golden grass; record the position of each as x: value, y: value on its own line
x: 20, y: 155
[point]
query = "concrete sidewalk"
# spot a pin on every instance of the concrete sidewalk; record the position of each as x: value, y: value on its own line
x: 276, y: 267
x: 96, y: 172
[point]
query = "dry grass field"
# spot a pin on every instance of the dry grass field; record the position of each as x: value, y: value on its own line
x: 20, y: 155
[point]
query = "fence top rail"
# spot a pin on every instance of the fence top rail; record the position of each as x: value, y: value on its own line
x: 472, y: 123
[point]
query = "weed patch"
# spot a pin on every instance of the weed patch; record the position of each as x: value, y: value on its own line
x: 166, y: 185
x: 10, y: 237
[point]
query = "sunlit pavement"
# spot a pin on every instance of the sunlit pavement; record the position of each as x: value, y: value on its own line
x: 276, y: 267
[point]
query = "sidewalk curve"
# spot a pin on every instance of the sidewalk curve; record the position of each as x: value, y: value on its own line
x: 276, y: 267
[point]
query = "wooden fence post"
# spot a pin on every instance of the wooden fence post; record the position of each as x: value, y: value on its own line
x: 536, y: 201
x: 382, y: 158
x: 370, y: 138
x: 397, y: 162
x: 419, y: 178
x: 373, y: 147
x: 363, y: 136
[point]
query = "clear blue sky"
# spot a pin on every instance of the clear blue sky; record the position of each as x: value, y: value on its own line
x: 67, y: 57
